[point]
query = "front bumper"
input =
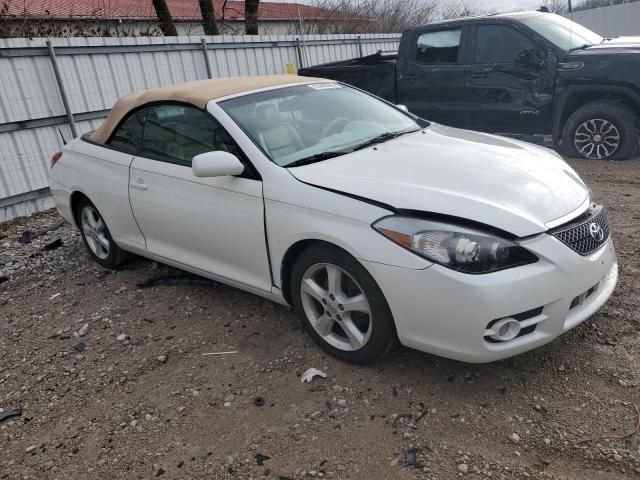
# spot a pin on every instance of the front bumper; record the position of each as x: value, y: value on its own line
x: 444, y: 312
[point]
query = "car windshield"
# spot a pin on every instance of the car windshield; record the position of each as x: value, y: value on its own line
x: 562, y: 32
x: 314, y: 122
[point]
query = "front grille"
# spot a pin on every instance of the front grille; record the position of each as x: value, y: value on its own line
x: 585, y: 235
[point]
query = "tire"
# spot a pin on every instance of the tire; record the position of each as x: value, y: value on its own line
x: 96, y: 236
x: 337, y: 307
x: 585, y: 132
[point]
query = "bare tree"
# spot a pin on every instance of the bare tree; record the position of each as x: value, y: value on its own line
x: 557, y: 6
x: 459, y: 8
x: 366, y: 16
x: 208, y: 17
x: 251, y: 16
x: 164, y: 15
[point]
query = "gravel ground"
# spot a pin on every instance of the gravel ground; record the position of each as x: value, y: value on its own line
x: 108, y: 370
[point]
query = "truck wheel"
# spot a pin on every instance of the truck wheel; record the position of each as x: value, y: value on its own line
x: 601, y: 130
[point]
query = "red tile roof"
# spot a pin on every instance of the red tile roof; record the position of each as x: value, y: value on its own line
x: 144, y: 9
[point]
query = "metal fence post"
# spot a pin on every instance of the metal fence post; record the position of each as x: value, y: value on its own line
x: 299, y: 52
x: 206, y: 57
x: 63, y: 92
x: 360, y: 46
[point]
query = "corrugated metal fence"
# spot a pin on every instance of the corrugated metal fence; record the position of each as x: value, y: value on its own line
x: 94, y: 72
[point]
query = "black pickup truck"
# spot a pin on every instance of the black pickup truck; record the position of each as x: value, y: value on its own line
x: 515, y: 73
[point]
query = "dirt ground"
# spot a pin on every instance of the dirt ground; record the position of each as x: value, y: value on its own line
x: 131, y: 396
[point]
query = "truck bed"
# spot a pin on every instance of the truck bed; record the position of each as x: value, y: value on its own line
x: 373, y: 73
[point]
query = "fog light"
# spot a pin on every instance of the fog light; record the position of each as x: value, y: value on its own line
x: 505, y: 329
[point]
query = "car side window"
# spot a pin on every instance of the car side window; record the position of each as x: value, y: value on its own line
x: 128, y: 136
x: 439, y: 47
x: 177, y: 133
x: 501, y: 44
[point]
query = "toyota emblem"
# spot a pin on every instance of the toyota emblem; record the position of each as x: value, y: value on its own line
x: 596, y: 232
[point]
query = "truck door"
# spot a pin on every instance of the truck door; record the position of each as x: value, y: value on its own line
x: 431, y: 74
x: 510, y: 81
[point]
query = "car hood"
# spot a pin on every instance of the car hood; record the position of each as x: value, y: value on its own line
x: 614, y: 45
x: 506, y: 184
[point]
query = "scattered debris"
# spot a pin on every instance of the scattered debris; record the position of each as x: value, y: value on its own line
x: 260, y: 458
x: 258, y: 401
x: 26, y: 237
x: 409, y: 456
x: 310, y: 374
x: 615, y: 437
x: 54, y: 296
x: 57, y: 243
x: 175, y: 280
x: 218, y: 353
x: 16, y: 412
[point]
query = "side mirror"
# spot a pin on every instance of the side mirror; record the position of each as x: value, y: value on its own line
x: 216, y: 164
x: 403, y: 108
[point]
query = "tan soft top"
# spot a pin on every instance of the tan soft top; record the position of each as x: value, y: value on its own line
x: 197, y: 93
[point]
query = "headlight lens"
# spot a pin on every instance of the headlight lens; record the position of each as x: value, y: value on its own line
x: 460, y: 248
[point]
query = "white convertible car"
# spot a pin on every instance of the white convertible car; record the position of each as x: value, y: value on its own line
x: 378, y: 227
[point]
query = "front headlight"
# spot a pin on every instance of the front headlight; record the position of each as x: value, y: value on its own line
x: 460, y: 248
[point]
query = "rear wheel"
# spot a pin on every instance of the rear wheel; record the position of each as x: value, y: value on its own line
x: 341, y: 306
x: 96, y: 236
x: 601, y: 130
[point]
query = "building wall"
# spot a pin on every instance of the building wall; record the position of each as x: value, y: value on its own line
x: 613, y: 21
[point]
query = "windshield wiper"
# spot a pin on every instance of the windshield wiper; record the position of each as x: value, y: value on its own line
x: 316, y: 157
x: 383, y: 137
x: 581, y: 47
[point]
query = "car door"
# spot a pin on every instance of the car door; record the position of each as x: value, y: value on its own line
x: 215, y: 224
x: 431, y: 75
x: 510, y: 81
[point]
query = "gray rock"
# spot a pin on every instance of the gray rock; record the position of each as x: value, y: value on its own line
x: 163, y: 358
x: 463, y: 467
x: 83, y: 330
x: 122, y: 337
x: 514, y: 437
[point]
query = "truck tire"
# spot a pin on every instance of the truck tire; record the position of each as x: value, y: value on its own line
x: 600, y: 130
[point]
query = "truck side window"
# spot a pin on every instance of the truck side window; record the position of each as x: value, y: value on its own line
x: 439, y: 47
x: 500, y: 44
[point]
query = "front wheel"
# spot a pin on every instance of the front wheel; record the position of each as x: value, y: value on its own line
x: 96, y: 236
x: 601, y: 130
x: 341, y: 306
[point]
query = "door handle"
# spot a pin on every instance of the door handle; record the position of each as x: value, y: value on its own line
x: 139, y: 184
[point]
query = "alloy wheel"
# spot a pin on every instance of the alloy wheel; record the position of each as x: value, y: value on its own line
x: 596, y: 139
x: 95, y: 232
x: 336, y: 306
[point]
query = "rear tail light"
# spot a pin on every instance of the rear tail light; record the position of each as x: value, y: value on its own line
x: 56, y: 156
